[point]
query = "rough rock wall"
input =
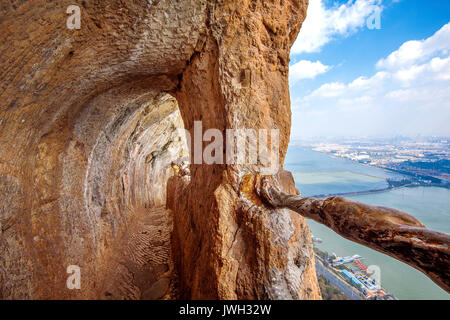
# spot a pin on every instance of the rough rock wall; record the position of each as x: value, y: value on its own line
x: 72, y: 101
x: 87, y: 134
x: 229, y: 248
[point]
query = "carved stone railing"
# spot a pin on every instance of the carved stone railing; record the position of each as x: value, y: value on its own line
x: 387, y: 230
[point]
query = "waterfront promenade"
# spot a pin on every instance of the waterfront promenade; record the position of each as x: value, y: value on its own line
x: 348, y: 290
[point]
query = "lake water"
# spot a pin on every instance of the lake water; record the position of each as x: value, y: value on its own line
x: 317, y: 173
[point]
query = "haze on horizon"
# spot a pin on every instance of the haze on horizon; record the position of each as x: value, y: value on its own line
x: 349, y: 80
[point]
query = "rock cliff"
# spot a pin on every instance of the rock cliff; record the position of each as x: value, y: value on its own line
x: 89, y: 137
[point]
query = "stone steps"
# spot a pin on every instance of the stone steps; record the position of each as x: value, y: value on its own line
x: 143, y: 269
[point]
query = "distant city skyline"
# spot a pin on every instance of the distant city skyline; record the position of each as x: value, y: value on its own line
x: 325, y: 138
x: 348, y: 80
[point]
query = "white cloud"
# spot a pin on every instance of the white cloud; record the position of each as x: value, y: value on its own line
x: 406, y: 75
x: 407, y: 96
x: 415, y: 51
x: 434, y: 73
x: 306, y: 69
x: 322, y: 24
x: 328, y: 90
x: 366, y: 83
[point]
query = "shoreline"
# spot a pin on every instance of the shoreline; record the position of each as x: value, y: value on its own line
x: 356, y: 193
x: 401, y: 172
x: 398, y: 280
x: 329, y: 274
x: 445, y: 185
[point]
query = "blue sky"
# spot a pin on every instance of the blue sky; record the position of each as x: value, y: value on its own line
x: 349, y: 80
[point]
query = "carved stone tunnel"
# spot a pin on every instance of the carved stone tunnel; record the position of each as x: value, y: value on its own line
x: 90, y: 153
x: 88, y: 134
x: 90, y: 148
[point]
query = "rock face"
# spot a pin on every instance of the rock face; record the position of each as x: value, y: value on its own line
x: 88, y: 132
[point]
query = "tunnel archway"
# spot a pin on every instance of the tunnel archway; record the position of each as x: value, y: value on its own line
x: 130, y: 137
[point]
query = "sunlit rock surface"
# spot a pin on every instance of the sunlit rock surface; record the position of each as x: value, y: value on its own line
x: 88, y: 136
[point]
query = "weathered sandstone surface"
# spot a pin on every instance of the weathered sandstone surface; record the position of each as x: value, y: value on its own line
x: 88, y: 134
